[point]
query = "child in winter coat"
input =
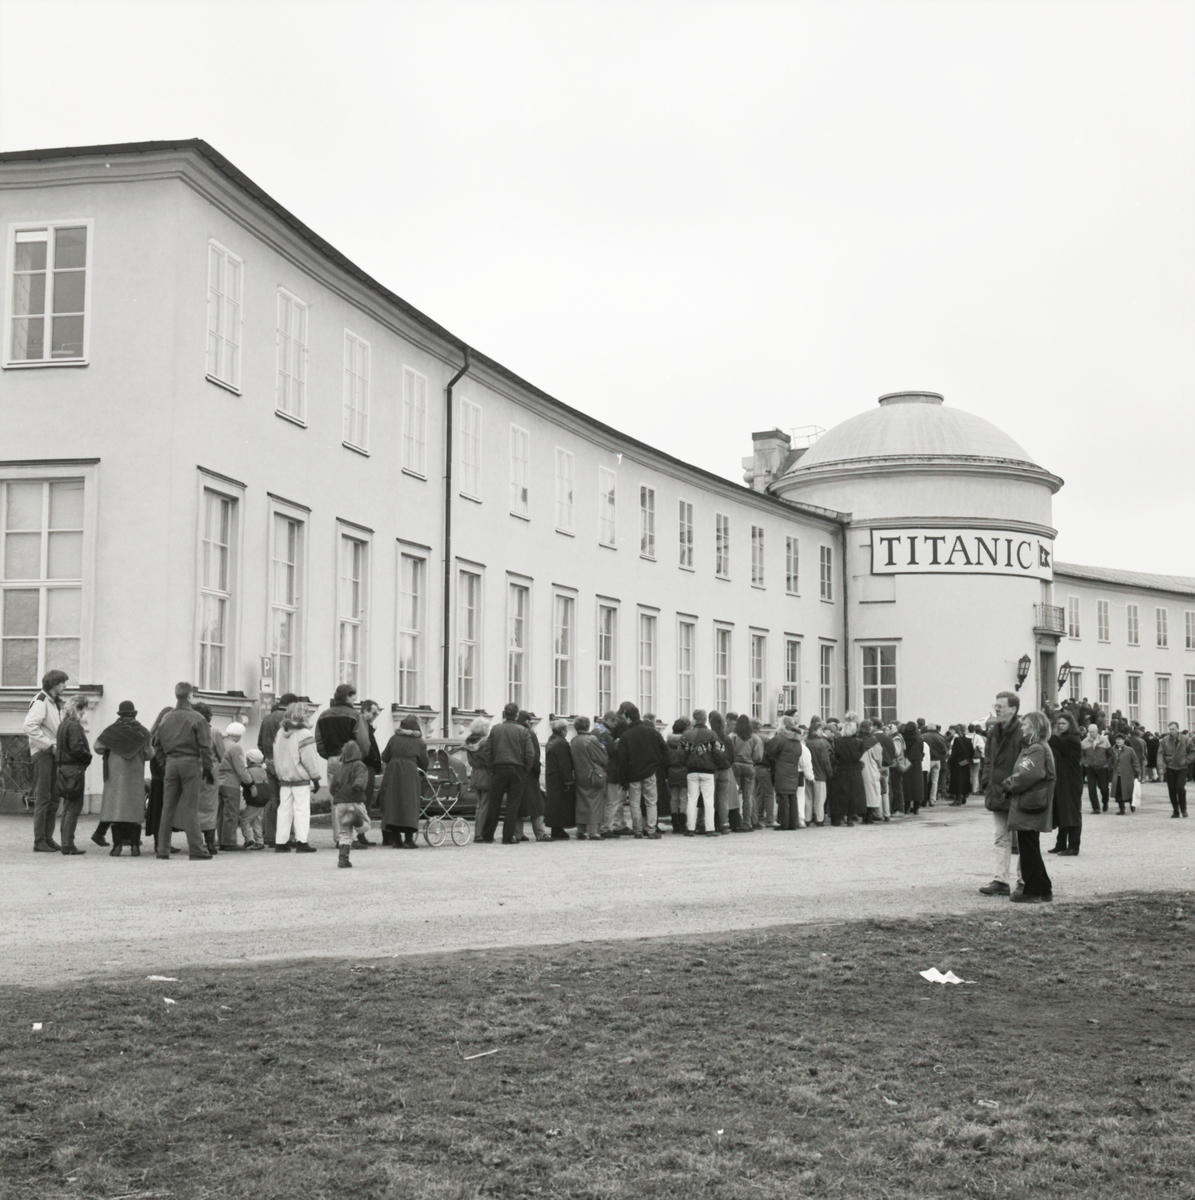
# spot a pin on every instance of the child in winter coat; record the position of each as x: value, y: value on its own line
x: 257, y: 793
x: 349, y: 781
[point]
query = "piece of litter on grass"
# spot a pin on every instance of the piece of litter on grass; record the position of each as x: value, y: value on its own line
x: 933, y: 975
x: 225, y: 1008
x: 161, y: 979
x: 887, y: 1101
x: 167, y: 1000
x: 483, y: 1054
x: 988, y: 1103
x: 36, y: 1026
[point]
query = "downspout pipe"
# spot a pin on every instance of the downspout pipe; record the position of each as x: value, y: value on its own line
x: 846, y: 622
x: 446, y: 697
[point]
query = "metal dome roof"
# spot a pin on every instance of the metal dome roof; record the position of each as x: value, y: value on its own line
x: 914, y: 425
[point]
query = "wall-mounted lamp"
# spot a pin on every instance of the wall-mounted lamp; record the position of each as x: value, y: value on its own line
x: 1064, y: 673
x: 1023, y: 665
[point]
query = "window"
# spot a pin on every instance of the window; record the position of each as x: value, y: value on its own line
x: 41, y: 580
x: 1134, y: 625
x: 1102, y: 621
x: 412, y: 592
x: 790, y: 696
x: 647, y: 522
x: 224, y: 279
x: 684, y: 666
x: 756, y: 556
x: 1162, y: 694
x: 1134, y: 704
x: 517, y: 600
x: 1190, y: 704
x: 606, y: 505
x: 290, y: 386
x: 1162, y: 620
x: 826, y: 681
x: 414, y: 422
x: 606, y: 656
x: 879, y: 683
x: 470, y: 449
x: 827, y: 572
x: 49, y: 286
x: 356, y: 392
x: 1072, y: 616
x: 215, y: 588
x: 1075, y: 682
x: 759, y: 658
x: 468, y: 640
x: 792, y: 565
x: 721, y: 546
x: 562, y: 653
x: 686, y: 537
x: 350, y: 638
x: 647, y: 663
x: 1103, y: 684
x: 286, y: 566
x: 721, y: 669
x: 1190, y: 623
x: 565, y: 470
x: 520, y: 471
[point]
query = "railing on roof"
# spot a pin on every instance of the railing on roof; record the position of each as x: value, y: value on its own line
x: 803, y: 436
x: 1049, y: 618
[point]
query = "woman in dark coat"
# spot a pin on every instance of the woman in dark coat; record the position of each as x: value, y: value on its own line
x: 589, y: 780
x: 783, y: 753
x: 846, y: 797
x: 1030, y: 789
x: 1067, y: 748
x: 124, y: 747
x: 72, y: 758
x: 157, y: 783
x: 958, y: 781
x: 560, y: 809
x: 532, y: 802
x: 404, y: 757
x: 913, y: 779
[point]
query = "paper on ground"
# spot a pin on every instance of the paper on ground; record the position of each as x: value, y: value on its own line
x: 36, y: 1026
x: 933, y: 975
x: 161, y: 978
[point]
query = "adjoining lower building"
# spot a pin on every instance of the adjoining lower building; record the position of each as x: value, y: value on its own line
x: 229, y: 455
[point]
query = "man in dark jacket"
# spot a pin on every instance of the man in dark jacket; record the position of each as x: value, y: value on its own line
x: 1004, y: 745
x: 338, y: 724
x: 640, y: 753
x: 184, y: 741
x: 698, y: 742
x: 609, y: 729
x: 511, y: 752
x: 937, y: 755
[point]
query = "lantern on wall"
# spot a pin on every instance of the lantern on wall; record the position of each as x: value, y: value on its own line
x: 1023, y: 665
x: 1064, y: 673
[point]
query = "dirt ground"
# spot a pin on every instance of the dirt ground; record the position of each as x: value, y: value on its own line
x: 72, y: 918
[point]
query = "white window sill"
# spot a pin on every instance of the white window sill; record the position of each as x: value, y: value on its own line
x: 565, y: 532
x: 521, y: 516
x: 466, y: 496
x: 608, y: 545
x: 220, y: 383
x: 291, y: 418
x: 827, y: 599
x: 414, y: 474
x: 794, y: 595
x: 759, y: 587
x: 724, y: 578
x: 681, y: 567
x: 355, y: 449
x: 648, y: 557
x: 24, y: 364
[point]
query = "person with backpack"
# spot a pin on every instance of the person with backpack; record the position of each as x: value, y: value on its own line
x: 703, y: 752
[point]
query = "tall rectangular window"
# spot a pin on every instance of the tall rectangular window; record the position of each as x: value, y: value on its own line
x: 468, y: 641
x: 1102, y: 621
x: 356, y: 391
x: 565, y: 471
x: 286, y: 556
x: 722, y: 665
x: 826, y: 681
x: 351, y: 609
x: 759, y: 660
x: 791, y: 695
x: 827, y: 572
x: 1190, y: 688
x: 414, y: 422
x: 686, y: 535
x: 41, y: 579
x: 607, y: 481
x: 607, y: 656
x: 1134, y: 624
x: 224, y: 280
x: 49, y: 289
x: 1072, y: 616
x: 1162, y: 620
x: 1075, y: 682
x: 517, y: 601
x: 520, y: 471
x: 215, y: 589
x: 647, y: 522
x: 685, y: 631
x: 1163, y: 702
x: 757, y: 579
x: 721, y: 545
x: 647, y: 663
x: 412, y: 591
x: 563, y: 633
x: 290, y: 338
x: 1103, y: 693
x: 879, y: 683
x: 792, y: 566
x: 470, y: 449
x: 1134, y: 698
x: 1189, y: 618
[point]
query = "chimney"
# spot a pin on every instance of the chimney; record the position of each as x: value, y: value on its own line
x: 765, y: 464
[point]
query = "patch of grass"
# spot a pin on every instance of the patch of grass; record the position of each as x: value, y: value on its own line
x: 800, y: 1061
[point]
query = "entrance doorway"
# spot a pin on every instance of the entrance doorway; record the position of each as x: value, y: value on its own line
x: 1047, y: 676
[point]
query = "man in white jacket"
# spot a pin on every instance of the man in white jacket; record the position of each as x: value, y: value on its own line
x: 41, y: 728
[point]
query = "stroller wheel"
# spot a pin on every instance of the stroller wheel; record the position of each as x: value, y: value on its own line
x: 462, y: 831
x: 434, y: 832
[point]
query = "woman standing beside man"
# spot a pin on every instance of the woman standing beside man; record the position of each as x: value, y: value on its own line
x: 125, y: 749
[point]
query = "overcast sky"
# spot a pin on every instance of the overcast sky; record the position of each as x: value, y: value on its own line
x: 695, y: 220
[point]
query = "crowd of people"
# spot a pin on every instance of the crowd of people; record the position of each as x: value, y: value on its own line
x: 623, y: 774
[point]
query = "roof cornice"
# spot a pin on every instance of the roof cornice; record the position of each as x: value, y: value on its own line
x: 922, y: 464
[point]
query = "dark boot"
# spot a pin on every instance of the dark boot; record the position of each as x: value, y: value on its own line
x: 209, y: 840
x: 343, y: 860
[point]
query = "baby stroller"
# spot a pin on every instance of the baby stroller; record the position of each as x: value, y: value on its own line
x: 439, y: 800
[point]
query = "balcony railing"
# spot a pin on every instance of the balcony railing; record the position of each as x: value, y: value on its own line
x: 1049, y: 618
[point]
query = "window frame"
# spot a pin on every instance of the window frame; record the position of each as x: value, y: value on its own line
x: 685, y: 526
x: 790, y: 693
x: 566, y: 508
x: 610, y: 664
x: 1132, y: 613
x: 825, y: 679
x: 721, y: 545
x: 685, y: 696
x: 1162, y: 710
x: 1189, y: 623
x: 758, y: 579
x: 214, y: 375
x: 1161, y: 628
x: 876, y: 712
x: 347, y: 531
x: 826, y: 572
x: 14, y: 228
x: 410, y: 684
x: 723, y: 679
x: 464, y: 568
x: 608, y: 497
x: 648, y: 665
x: 1189, y: 697
x: 521, y: 623
x: 757, y: 673
x: 467, y: 438
x: 1073, y: 626
x: 647, y: 522
x: 520, y: 472
x: 1132, y: 685
x: 1074, y: 683
x: 279, y: 509
x: 210, y: 482
x: 349, y: 374
x: 564, y: 602
x: 414, y: 423
x: 1103, y: 691
x: 792, y: 565
x: 1103, y: 621
x: 294, y: 305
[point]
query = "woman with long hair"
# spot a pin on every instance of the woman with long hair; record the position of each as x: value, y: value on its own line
x: 1030, y: 789
x: 72, y: 758
x: 747, y: 747
x: 1067, y: 747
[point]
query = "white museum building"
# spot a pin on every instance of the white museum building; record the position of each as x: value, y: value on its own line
x: 229, y: 455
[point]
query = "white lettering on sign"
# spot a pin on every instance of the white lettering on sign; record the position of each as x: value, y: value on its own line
x: 961, y: 551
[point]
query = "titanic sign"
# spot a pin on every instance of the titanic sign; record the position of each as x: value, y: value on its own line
x: 961, y: 551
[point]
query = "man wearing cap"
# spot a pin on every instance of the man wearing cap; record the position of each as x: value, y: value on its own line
x: 41, y: 728
x: 183, y: 741
x: 233, y: 773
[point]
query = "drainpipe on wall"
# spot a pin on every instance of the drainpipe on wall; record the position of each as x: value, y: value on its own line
x: 846, y: 623
x: 446, y: 697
